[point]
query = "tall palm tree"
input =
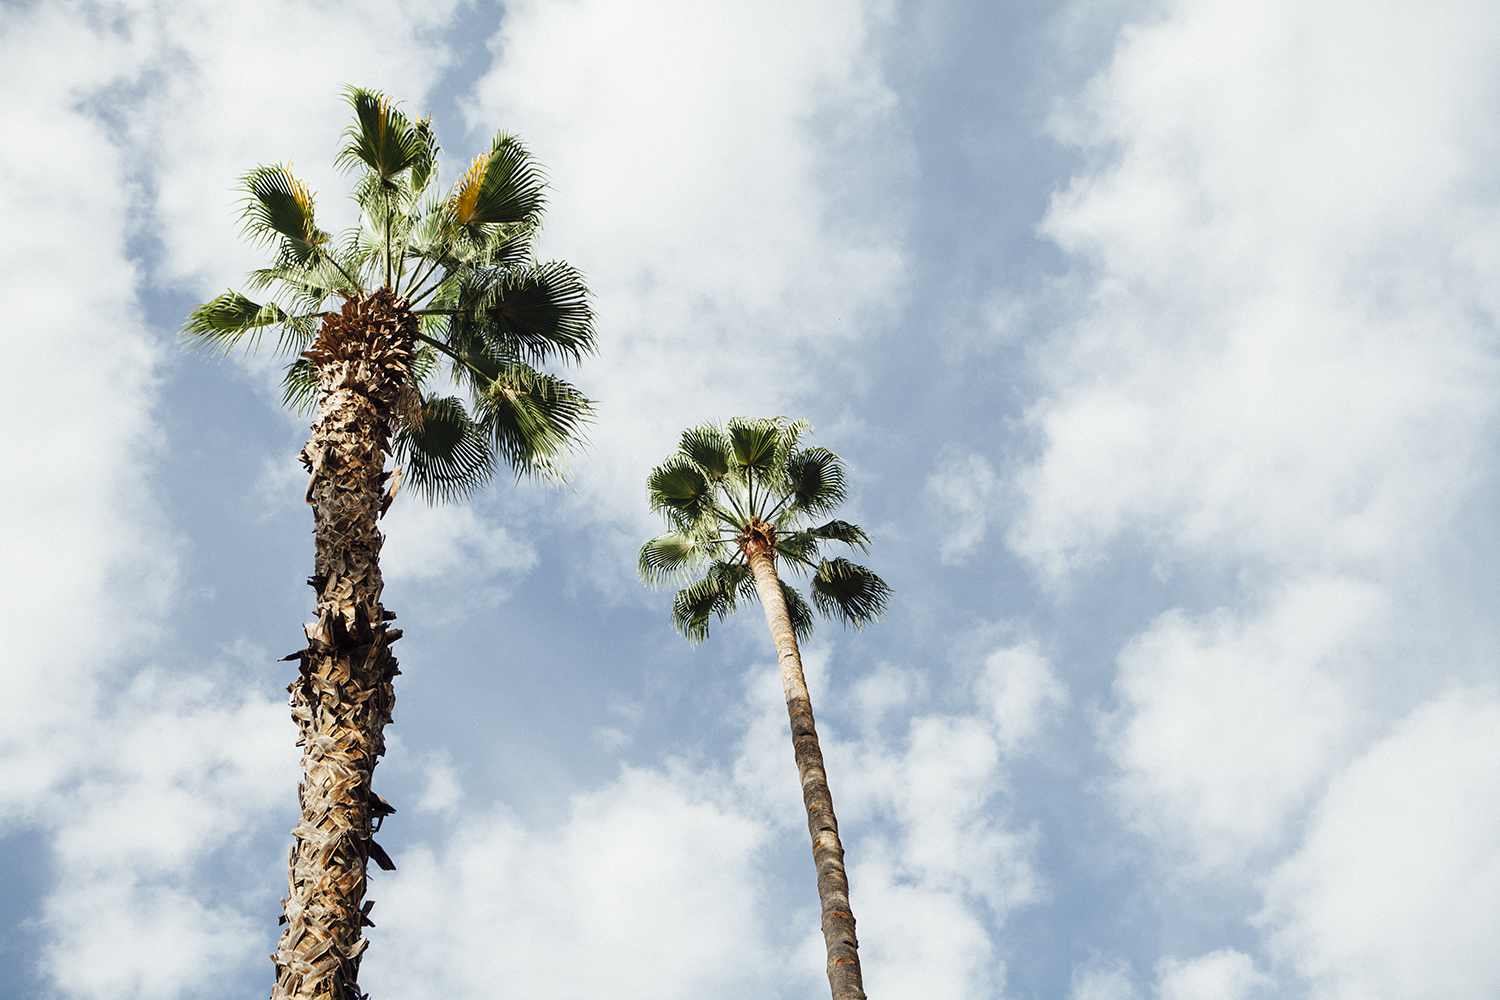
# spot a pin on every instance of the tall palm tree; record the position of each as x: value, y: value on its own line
x: 737, y: 499
x: 429, y: 292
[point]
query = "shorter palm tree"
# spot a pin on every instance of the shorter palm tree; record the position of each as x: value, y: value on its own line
x: 737, y: 499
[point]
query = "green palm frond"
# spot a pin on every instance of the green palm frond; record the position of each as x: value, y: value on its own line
x: 788, y: 434
x: 799, y: 549
x: 851, y: 535
x: 532, y: 418
x: 797, y: 611
x: 446, y: 455
x: 815, y: 481
x: 668, y: 557
x: 218, y: 325
x: 849, y: 593
x: 753, y: 443
x: 534, y: 312
x: 502, y: 186
x: 424, y: 169
x: 384, y: 139
x: 680, y: 490
x: 299, y: 387
x: 707, y: 446
x: 280, y: 205
x: 718, y: 593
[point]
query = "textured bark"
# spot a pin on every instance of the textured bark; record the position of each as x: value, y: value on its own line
x: 343, y: 697
x: 844, y: 976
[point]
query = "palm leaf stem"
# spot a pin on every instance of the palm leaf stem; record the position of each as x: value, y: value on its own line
x: 353, y: 282
x: 418, y: 277
x: 444, y: 348
x: 774, y: 510
x: 744, y: 518
x: 389, y: 216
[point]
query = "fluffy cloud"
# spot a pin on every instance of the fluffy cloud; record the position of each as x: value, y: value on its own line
x: 1286, y: 355
x: 1284, y: 380
x: 705, y: 178
x: 1224, y: 974
x: 665, y: 871
x: 1228, y: 723
x: 1395, y: 892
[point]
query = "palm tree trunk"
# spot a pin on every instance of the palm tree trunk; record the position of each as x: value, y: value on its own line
x: 343, y: 697
x: 844, y: 976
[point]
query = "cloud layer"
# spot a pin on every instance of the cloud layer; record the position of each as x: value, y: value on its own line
x: 1285, y: 380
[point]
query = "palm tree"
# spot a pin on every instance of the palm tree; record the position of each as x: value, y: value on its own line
x: 429, y: 291
x: 737, y: 499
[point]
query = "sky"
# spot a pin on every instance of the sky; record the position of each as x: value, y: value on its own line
x: 1159, y: 338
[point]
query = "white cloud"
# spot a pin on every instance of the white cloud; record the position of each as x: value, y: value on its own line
x: 663, y: 871
x: 1285, y: 358
x: 174, y: 772
x: 427, y: 542
x: 1283, y: 381
x: 1395, y: 892
x: 1225, y: 974
x: 702, y: 161
x: 1229, y: 723
x: 647, y: 890
x: 1022, y: 691
x: 964, y: 487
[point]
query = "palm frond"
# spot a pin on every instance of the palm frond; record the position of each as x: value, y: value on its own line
x: 786, y: 440
x: 842, y: 531
x: 219, y: 324
x: 502, y: 186
x: 279, y: 204
x: 667, y: 557
x: 798, y: 549
x: 680, y: 490
x: 717, y: 594
x: 384, y: 139
x: 707, y: 446
x: 533, y: 419
x: 814, y: 481
x: 299, y: 387
x: 535, y: 313
x: 849, y: 593
x: 753, y: 442
x: 446, y: 455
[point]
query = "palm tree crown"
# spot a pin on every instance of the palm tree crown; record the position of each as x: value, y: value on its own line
x: 461, y: 262
x: 729, y: 493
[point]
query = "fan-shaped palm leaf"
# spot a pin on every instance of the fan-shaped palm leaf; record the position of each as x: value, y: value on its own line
x: 218, y: 325
x: 679, y: 488
x: 384, y: 139
x: 753, y: 443
x: 815, y: 480
x: 445, y: 454
x: 667, y: 557
x: 848, y: 592
x: 717, y: 594
x: 536, y: 312
x: 532, y: 418
x: 279, y: 204
x: 501, y: 186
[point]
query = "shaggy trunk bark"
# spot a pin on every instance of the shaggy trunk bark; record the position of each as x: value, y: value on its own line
x: 828, y: 854
x: 343, y: 698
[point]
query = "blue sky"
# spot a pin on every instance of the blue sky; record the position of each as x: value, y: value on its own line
x: 1159, y: 339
